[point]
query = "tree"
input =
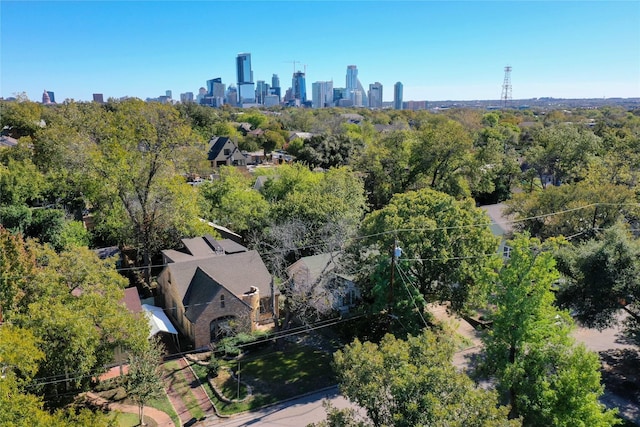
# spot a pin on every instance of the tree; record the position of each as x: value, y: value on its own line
x: 548, y: 379
x: 72, y: 306
x: 441, y: 157
x: 231, y: 201
x: 563, y: 151
x: 447, y: 242
x: 575, y: 210
x: 413, y: 382
x: 17, y: 272
x: 602, y: 277
x: 327, y: 151
x: 136, y: 164
x: 385, y: 165
x: 144, y: 381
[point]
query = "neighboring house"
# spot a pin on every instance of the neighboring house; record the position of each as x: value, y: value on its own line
x: 501, y: 226
x: 216, y: 288
x: 224, y: 152
x: 7, y: 141
x: 319, y: 274
x: 301, y: 135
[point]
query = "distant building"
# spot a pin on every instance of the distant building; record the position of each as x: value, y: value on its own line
x: 397, y: 96
x: 232, y: 96
x: 299, y: 86
x: 354, y: 87
x: 415, y: 105
x: 98, y: 97
x: 215, y: 92
x: 246, y: 90
x: 186, y: 98
x: 275, y: 81
x: 339, y: 93
x: 168, y: 94
x: 375, y: 95
x: 322, y: 94
x: 262, y: 90
x: 52, y: 96
x: 202, y: 92
x: 45, y: 98
x: 271, y: 100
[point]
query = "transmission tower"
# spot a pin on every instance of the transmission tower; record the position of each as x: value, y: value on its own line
x: 506, y: 86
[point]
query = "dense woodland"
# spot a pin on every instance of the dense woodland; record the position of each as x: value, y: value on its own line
x: 360, y: 186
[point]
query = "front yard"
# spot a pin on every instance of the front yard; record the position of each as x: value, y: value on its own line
x: 272, y: 376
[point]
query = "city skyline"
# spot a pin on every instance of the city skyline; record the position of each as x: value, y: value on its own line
x: 439, y: 51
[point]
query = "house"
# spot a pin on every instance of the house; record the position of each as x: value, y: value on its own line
x: 224, y: 152
x: 215, y: 288
x: 321, y: 272
x: 501, y: 226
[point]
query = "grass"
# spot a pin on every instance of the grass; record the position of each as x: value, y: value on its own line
x: 182, y: 387
x: 273, y: 375
x: 131, y: 420
x: 163, y: 404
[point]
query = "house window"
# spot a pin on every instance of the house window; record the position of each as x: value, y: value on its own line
x: 227, y: 151
x: 221, y: 301
x: 506, y: 252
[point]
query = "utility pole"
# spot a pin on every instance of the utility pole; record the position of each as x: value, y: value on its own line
x: 395, y: 253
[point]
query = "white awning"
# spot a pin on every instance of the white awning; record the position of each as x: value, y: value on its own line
x: 158, y: 321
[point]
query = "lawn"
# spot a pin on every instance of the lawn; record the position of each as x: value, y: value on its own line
x: 273, y: 376
x: 118, y: 394
x: 132, y: 420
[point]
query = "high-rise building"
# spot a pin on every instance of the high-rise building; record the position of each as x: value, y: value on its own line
x: 52, y: 96
x: 397, y: 96
x: 232, y: 96
x: 168, y: 94
x: 375, y: 95
x: 186, y: 98
x: 202, y: 92
x: 262, y: 90
x: 299, y: 86
x: 45, y: 97
x: 322, y: 94
x: 98, y: 97
x: 246, y: 89
x: 354, y: 86
x: 275, y: 86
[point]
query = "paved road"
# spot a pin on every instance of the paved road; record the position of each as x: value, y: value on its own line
x: 294, y: 413
x: 309, y: 409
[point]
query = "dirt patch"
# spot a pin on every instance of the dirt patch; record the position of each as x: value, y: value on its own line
x: 620, y: 373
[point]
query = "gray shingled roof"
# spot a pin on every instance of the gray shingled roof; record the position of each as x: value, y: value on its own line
x: 235, y: 272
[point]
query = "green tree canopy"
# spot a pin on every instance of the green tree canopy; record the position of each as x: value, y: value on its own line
x: 549, y: 379
x: 446, y: 242
x: 413, y: 383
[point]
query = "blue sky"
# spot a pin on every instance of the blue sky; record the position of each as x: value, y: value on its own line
x: 454, y: 50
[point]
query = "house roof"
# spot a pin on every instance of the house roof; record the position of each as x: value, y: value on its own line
x: 198, y: 246
x: 501, y: 224
x: 131, y: 300
x: 235, y: 272
x: 7, y: 141
x: 317, y: 265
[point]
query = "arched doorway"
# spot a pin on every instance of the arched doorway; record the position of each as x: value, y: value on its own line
x: 221, y: 327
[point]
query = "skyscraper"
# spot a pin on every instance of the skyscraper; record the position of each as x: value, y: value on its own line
x: 52, y: 96
x: 397, y: 96
x: 246, y: 90
x: 375, y: 95
x: 98, y: 97
x: 262, y: 90
x: 299, y: 86
x: 354, y: 87
x: 275, y: 86
x: 322, y: 94
x: 215, y: 92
